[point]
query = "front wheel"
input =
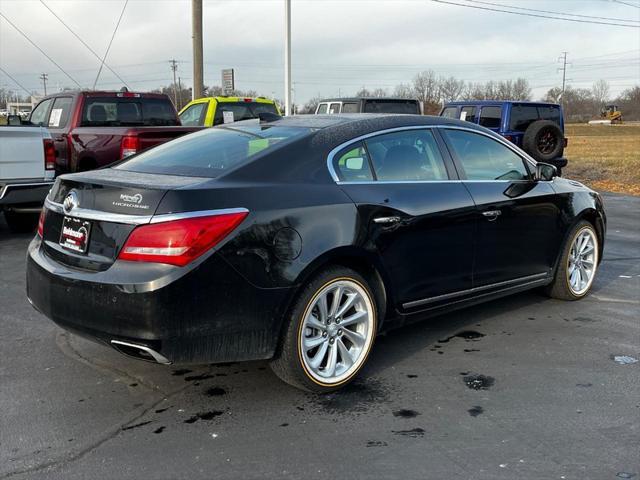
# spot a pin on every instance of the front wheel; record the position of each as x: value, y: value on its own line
x: 578, y: 264
x: 330, y: 331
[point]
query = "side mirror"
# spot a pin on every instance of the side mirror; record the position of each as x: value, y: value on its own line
x: 545, y: 172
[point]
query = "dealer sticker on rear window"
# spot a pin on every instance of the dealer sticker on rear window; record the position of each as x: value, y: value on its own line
x: 75, y: 234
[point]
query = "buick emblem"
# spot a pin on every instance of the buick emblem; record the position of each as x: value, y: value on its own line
x: 70, y: 202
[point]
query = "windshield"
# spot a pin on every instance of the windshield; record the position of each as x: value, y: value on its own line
x: 212, y: 152
x: 137, y: 111
x: 229, y: 112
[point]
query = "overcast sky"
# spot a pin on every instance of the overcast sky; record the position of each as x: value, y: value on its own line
x: 338, y: 46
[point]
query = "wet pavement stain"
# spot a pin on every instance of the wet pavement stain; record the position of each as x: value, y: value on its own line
x: 159, y: 430
x: 284, y: 424
x: 133, y: 384
x: 469, y: 350
x: 160, y: 410
x: 357, y: 397
x: 584, y: 385
x: 215, y: 392
x: 204, y: 416
x: 625, y: 475
x: 468, y: 335
x: 413, y: 433
x: 180, y: 372
x: 376, y: 443
x: 476, y: 410
x: 203, y: 376
x: 479, y: 382
x: 411, y: 375
x: 131, y: 427
x: 406, y: 413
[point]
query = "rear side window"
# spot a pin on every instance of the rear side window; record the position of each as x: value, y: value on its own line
x: 350, y: 107
x: 490, y: 117
x: 550, y: 112
x: 334, y: 108
x: 194, y: 115
x: 522, y: 116
x: 486, y: 159
x: 212, y: 152
x: 468, y: 114
x: 60, y: 112
x: 411, y: 155
x: 137, y: 111
x: 229, y: 112
x: 322, y: 108
x: 450, y: 112
x: 391, y: 106
x: 352, y: 164
x: 39, y: 113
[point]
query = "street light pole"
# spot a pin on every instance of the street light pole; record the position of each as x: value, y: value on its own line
x: 287, y: 57
x: 198, y: 71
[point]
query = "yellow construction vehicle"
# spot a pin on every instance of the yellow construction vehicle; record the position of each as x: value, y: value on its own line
x: 611, y: 113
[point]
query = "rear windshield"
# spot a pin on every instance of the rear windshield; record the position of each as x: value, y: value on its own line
x: 137, y: 111
x: 391, y: 106
x: 229, y: 112
x: 524, y: 115
x: 212, y: 152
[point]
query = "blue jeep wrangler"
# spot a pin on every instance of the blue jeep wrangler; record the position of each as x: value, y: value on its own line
x: 537, y: 128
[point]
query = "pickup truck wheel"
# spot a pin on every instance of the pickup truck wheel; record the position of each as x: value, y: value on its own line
x: 21, y: 222
x: 543, y: 140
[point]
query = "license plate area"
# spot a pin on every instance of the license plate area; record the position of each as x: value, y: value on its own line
x: 74, y: 235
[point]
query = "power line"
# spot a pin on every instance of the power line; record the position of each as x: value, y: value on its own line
x: 625, y: 3
x: 110, y: 42
x: 82, y: 41
x: 15, y: 81
x: 536, y: 15
x: 553, y: 12
x: 39, y: 49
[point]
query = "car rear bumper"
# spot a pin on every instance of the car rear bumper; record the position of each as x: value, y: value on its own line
x: 210, y: 314
x: 23, y: 192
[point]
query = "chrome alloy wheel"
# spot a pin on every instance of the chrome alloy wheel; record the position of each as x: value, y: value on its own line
x: 582, y: 261
x: 337, y: 331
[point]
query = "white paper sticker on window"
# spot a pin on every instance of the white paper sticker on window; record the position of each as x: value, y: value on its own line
x: 54, y: 118
x: 227, y: 117
x: 463, y: 116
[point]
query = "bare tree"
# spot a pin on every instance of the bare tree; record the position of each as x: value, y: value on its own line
x: 363, y: 92
x: 451, y: 89
x: 600, y: 91
x: 521, y: 90
x: 379, y: 92
x: 427, y: 90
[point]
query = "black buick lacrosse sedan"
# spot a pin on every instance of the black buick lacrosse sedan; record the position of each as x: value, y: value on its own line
x: 299, y: 239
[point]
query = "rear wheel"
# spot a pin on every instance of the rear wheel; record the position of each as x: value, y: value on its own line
x: 543, y: 140
x: 578, y: 264
x: 330, y: 331
x: 21, y: 222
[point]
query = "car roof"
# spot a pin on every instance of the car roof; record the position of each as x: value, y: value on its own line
x: 357, y: 99
x: 496, y: 102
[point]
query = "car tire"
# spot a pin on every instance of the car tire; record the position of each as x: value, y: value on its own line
x: 322, y: 357
x: 21, y: 222
x: 543, y: 140
x: 578, y: 264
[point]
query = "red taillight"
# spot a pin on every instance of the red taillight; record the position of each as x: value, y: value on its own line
x: 178, y: 242
x: 49, y: 154
x: 130, y: 145
x: 41, y: 223
x: 248, y: 99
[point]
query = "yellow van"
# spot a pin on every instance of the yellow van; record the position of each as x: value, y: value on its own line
x: 210, y: 111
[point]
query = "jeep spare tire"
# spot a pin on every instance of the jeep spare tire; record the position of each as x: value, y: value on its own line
x: 543, y: 140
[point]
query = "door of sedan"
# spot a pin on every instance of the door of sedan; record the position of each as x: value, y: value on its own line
x: 519, y: 234
x: 415, y: 213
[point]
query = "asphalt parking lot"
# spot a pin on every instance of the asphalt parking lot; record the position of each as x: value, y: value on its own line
x: 528, y: 390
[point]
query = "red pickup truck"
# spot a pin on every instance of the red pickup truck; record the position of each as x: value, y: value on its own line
x: 94, y: 129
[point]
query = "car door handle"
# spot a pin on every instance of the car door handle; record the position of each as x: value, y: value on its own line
x: 492, y: 214
x: 386, y: 220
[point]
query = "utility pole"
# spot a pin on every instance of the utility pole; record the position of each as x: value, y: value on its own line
x: 179, y: 105
x: 198, y: 71
x: 287, y: 57
x: 563, y: 59
x: 44, y: 77
x: 174, y: 67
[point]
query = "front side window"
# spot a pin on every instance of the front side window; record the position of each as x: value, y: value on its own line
x: 522, y: 116
x: 352, y: 164
x: 468, y: 114
x: 214, y: 151
x: 490, y: 117
x: 322, y: 108
x: 450, y: 112
x: 484, y: 158
x: 60, y: 112
x: 194, y: 115
x: 39, y: 113
x: 410, y: 155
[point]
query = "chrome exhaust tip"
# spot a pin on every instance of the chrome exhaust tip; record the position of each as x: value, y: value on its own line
x: 141, y: 352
